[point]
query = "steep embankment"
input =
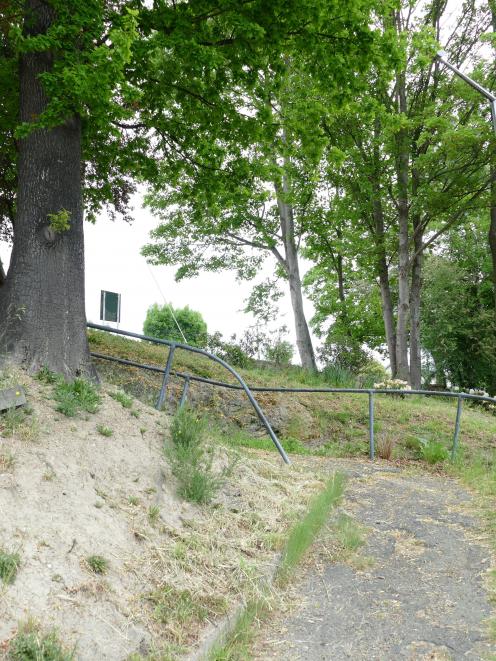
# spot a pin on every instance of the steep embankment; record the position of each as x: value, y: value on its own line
x: 106, y: 554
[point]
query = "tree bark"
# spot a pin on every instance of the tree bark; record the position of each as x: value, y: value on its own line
x: 42, y: 302
x: 303, y: 338
x: 2, y: 274
x: 415, y: 306
x: 492, y: 225
x: 402, y: 165
x: 381, y: 260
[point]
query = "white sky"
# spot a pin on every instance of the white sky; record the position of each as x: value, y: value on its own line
x: 114, y: 263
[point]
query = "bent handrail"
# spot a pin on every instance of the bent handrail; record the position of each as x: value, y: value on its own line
x: 177, y: 345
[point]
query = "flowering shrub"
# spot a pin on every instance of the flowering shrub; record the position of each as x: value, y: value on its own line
x: 392, y: 384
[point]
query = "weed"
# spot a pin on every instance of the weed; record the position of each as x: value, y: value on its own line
x: 385, y: 445
x: 191, y: 460
x: 349, y: 533
x: 153, y: 514
x: 434, y: 452
x: 104, y: 431
x: 46, y: 375
x: 98, y: 564
x: 134, y: 413
x: 305, y: 531
x: 133, y: 500
x: 11, y: 421
x: 184, y: 607
x: 123, y: 399
x: 9, y: 564
x: 75, y: 396
x: 7, y: 462
x: 31, y: 644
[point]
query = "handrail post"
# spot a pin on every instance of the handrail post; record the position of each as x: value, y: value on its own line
x: 457, y: 427
x: 371, y: 425
x: 185, y: 393
x: 165, y: 381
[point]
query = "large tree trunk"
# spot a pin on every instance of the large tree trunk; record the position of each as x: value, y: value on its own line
x: 303, y: 338
x: 42, y: 307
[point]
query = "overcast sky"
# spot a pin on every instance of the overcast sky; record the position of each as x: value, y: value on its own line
x: 114, y: 263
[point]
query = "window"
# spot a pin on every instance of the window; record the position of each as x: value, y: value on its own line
x: 110, y: 306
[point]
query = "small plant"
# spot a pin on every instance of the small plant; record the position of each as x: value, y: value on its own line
x: 385, y: 446
x: 11, y: 421
x: 133, y: 500
x: 75, y: 396
x: 31, y: 644
x: 153, y: 514
x: 59, y: 221
x: 9, y: 564
x: 46, y: 375
x: 98, y: 564
x: 186, y: 430
x: 134, y: 413
x: 182, y: 606
x: 7, y: 462
x: 104, y: 431
x: 349, y: 533
x: 125, y: 400
x: 434, y: 452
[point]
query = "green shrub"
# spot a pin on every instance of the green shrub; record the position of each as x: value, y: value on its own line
x: 75, y: 396
x: 9, y: 563
x: 104, y: 431
x: 231, y: 352
x: 280, y: 353
x: 160, y: 323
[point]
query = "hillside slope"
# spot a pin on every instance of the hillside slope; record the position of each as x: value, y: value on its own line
x: 69, y: 494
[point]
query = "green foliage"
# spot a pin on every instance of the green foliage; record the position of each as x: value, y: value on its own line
x: 79, y: 395
x: 280, y: 353
x: 31, y: 644
x: 60, y: 221
x: 124, y: 400
x: 231, y: 352
x: 459, y: 328
x: 303, y: 534
x: 98, y: 564
x: 192, y: 460
x: 160, y: 323
x: 9, y: 564
x: 46, y: 375
x: 104, y: 431
x: 433, y: 452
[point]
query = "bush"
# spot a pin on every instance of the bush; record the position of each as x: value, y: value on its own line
x: 433, y: 452
x: 72, y: 397
x: 231, y: 352
x: 280, y: 353
x: 160, y: 323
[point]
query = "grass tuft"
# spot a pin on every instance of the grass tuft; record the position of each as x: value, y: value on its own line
x: 104, y: 431
x: 98, y: 564
x: 124, y: 400
x: 76, y: 396
x: 9, y: 564
x: 31, y: 644
x: 305, y: 531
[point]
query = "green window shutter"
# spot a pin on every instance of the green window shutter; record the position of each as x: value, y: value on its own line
x: 110, y: 306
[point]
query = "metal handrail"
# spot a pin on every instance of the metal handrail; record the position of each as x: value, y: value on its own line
x: 167, y: 371
x: 371, y: 392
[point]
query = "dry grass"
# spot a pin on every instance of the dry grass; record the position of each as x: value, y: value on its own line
x: 385, y: 446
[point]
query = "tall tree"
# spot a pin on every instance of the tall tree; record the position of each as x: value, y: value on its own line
x: 103, y: 90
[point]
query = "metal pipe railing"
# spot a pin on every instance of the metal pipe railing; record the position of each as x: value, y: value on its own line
x: 371, y: 392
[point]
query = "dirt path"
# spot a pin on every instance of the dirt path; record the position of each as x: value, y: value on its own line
x: 423, y: 595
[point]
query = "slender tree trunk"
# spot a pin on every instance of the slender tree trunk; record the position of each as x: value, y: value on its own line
x: 415, y: 301
x: 42, y: 320
x: 492, y: 226
x: 381, y: 260
x: 402, y: 165
x: 2, y: 274
x: 303, y: 338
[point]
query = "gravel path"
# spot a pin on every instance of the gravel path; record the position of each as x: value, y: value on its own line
x: 423, y: 596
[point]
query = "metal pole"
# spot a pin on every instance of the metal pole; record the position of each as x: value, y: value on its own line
x: 163, y: 389
x: 184, y: 396
x: 371, y: 424
x: 489, y: 95
x: 457, y: 427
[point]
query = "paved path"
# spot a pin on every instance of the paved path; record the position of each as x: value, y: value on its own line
x: 422, y: 598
